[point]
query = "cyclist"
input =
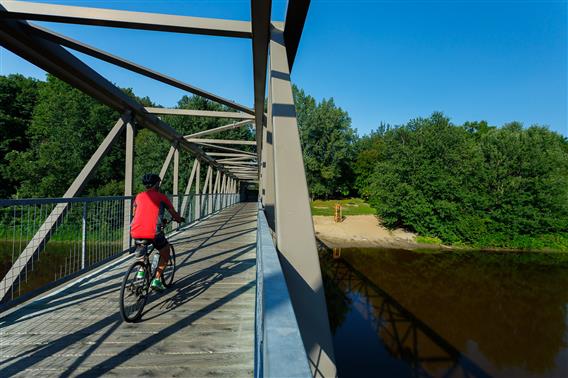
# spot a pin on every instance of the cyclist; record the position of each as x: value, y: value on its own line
x: 146, y: 227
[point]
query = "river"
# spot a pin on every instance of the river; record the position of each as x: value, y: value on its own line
x: 397, y: 313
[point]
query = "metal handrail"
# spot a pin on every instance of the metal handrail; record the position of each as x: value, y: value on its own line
x: 74, y: 235
x: 279, y: 350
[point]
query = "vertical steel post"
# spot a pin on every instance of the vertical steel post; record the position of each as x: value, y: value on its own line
x: 266, y: 184
x: 128, y: 183
x: 84, y: 236
x: 210, y: 190
x: 175, y: 188
x: 216, y: 189
x: 223, y: 184
x: 197, y: 191
x: 294, y: 228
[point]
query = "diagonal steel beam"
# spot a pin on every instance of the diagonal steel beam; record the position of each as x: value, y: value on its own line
x: 235, y: 125
x: 118, y: 61
x: 125, y: 19
x: 201, y: 113
x: 260, y: 16
x: 167, y: 161
x: 229, y: 149
x: 296, y: 14
x: 19, y: 37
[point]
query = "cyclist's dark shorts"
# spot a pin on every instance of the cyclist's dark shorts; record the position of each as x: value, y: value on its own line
x: 159, y: 242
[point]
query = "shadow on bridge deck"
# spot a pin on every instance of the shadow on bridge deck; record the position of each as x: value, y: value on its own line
x: 203, y: 326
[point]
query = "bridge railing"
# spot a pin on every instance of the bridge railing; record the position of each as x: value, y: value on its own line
x: 47, y: 241
x: 279, y: 350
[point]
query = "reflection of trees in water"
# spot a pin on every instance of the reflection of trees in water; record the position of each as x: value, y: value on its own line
x: 514, y: 312
x: 404, y: 336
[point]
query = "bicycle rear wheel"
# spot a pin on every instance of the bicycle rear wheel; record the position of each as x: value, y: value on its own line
x: 170, y: 269
x: 134, y: 292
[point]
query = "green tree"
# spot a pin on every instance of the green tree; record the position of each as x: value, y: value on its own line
x: 327, y: 145
x: 368, y: 150
x: 474, y: 183
x: 18, y: 97
x: 66, y: 128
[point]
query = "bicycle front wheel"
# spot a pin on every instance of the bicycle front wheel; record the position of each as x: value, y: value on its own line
x: 170, y: 269
x: 134, y: 292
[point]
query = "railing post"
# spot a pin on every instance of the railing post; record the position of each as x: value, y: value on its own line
x: 84, y: 237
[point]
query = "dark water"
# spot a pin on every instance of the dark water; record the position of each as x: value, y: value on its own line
x: 477, y: 314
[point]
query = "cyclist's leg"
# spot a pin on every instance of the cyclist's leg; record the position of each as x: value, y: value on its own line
x: 162, y: 245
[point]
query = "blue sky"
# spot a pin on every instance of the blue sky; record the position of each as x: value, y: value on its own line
x: 382, y: 61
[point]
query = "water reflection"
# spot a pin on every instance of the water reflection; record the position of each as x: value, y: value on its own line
x: 398, y: 313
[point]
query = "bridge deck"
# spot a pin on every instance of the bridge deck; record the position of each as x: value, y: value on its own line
x: 203, y: 326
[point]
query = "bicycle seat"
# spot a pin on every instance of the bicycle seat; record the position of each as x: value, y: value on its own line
x: 142, y: 242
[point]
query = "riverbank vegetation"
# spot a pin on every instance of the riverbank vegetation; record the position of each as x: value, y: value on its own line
x: 472, y: 184
x: 349, y: 206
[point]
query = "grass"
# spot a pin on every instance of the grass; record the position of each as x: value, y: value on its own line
x: 428, y: 240
x: 349, y: 206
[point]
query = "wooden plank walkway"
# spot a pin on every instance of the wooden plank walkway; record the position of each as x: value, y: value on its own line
x: 203, y: 326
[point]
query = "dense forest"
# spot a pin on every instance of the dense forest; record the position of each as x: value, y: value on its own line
x: 473, y: 184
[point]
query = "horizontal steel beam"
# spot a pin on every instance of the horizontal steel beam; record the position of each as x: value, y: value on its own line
x: 222, y: 141
x: 238, y: 163
x: 237, y: 159
x: 125, y: 19
x: 131, y: 66
x: 229, y: 154
x: 235, y: 125
x: 200, y: 113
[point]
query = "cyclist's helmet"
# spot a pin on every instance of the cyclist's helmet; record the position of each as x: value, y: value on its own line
x: 150, y: 179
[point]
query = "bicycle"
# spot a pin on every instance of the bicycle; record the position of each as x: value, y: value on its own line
x: 137, y: 290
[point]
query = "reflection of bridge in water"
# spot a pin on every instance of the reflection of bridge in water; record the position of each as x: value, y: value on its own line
x: 403, y: 335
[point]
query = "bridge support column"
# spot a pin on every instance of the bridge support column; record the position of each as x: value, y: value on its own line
x: 128, y: 183
x: 294, y: 228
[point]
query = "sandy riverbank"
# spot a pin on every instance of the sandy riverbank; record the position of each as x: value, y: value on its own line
x: 362, y: 231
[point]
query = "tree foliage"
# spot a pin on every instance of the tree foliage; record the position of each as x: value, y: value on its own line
x: 327, y: 144
x: 66, y: 128
x: 471, y: 183
x: 18, y: 96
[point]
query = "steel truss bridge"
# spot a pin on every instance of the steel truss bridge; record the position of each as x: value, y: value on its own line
x: 248, y: 297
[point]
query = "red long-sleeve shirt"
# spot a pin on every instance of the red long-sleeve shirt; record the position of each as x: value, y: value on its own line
x: 149, y: 209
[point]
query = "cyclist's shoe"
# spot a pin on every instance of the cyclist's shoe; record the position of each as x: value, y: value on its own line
x: 141, y: 274
x: 157, y: 285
